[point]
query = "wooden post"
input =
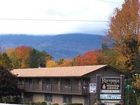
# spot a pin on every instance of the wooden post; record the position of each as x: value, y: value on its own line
x: 40, y: 84
x: 22, y: 98
x: 98, y: 88
x: 59, y: 85
x: 122, y: 88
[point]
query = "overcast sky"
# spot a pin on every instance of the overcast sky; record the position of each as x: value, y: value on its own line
x: 56, y: 16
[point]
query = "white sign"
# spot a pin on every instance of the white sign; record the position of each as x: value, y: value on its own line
x: 92, y: 87
x: 110, y: 91
x: 110, y: 96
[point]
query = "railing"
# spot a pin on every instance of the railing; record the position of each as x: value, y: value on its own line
x: 54, y: 88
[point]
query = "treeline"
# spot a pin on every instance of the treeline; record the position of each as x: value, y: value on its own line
x: 23, y: 57
x: 27, y: 57
x: 88, y: 58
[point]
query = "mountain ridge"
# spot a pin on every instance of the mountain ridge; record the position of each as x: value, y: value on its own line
x: 59, y: 46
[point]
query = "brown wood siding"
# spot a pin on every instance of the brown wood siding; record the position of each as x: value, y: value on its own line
x: 52, y: 85
x: 104, y: 72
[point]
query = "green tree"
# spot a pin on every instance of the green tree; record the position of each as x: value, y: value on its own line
x: 60, y: 61
x: 38, y: 58
x: 6, y: 62
x: 8, y: 84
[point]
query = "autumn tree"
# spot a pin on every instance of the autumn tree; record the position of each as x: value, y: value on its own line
x: 51, y: 63
x: 66, y: 62
x: 15, y: 63
x: 89, y: 58
x: 27, y: 57
x: 124, y: 32
x: 23, y: 54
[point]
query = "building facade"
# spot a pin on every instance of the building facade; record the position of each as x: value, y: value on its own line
x: 62, y: 84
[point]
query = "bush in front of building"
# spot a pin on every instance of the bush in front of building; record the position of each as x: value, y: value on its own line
x: 55, y: 104
x: 75, y: 104
x: 38, y: 103
x: 43, y: 103
x: 102, y: 104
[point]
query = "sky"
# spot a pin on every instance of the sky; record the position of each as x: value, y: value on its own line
x: 50, y: 17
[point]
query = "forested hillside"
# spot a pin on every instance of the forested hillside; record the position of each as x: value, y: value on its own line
x: 59, y: 46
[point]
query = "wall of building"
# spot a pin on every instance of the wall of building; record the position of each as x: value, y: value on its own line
x: 58, y: 99
x: 38, y: 97
x: 78, y: 99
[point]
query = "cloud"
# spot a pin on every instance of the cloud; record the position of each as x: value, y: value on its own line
x: 30, y: 12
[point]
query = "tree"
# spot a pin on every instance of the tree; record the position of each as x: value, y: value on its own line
x: 38, y: 58
x: 51, y: 63
x: 66, y: 62
x: 8, y: 84
x: 60, y: 61
x: 89, y: 58
x: 6, y: 62
x: 27, y: 57
x: 13, y: 58
x: 23, y: 54
x: 124, y: 32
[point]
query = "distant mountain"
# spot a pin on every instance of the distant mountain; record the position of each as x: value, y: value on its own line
x: 59, y: 46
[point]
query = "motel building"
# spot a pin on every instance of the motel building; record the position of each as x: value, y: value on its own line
x: 77, y: 84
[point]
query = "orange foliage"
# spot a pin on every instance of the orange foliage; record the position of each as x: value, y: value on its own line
x: 89, y: 58
x: 124, y: 31
x: 23, y: 53
x: 66, y: 63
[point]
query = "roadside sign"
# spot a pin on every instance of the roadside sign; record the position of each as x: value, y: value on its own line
x: 110, y: 85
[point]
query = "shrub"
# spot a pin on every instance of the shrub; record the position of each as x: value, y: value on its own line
x: 75, y: 104
x: 43, y: 103
x: 102, y: 104
x: 55, y: 104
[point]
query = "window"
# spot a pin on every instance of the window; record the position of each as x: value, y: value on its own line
x: 67, y: 99
x: 48, y: 97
